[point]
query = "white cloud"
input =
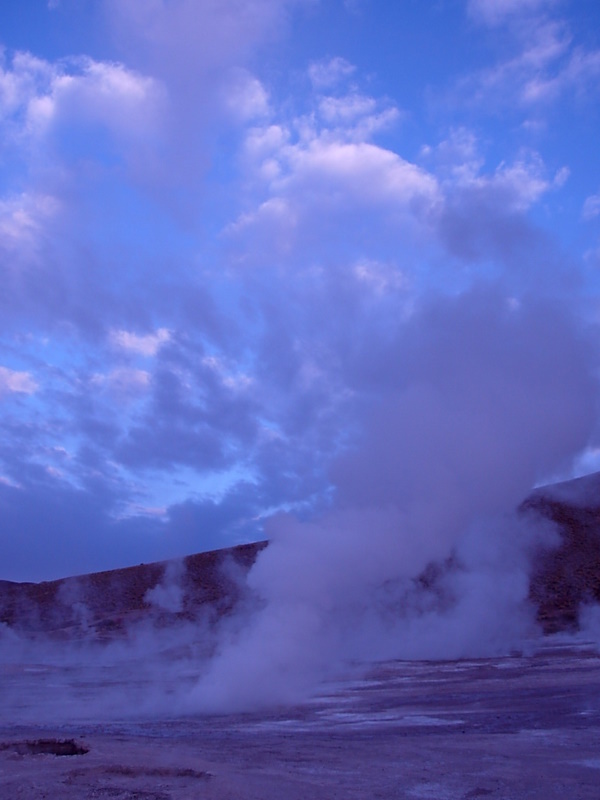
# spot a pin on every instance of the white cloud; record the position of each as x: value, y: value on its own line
x: 144, y: 344
x: 5, y: 481
x: 125, y: 102
x: 339, y: 158
x: 357, y: 117
x: 232, y: 379
x: 264, y: 142
x: 330, y: 72
x: 14, y: 382
x: 246, y: 97
x: 322, y: 170
x: 37, y: 97
x: 380, y: 277
x: 124, y: 382
x: 22, y: 219
x: 53, y: 117
x: 523, y: 182
x: 456, y: 158
x: 25, y: 77
x: 545, y: 65
x: 346, y: 109
x: 129, y: 381
x: 182, y: 38
x: 520, y: 184
x: 200, y: 52
x: 580, y: 71
x: 326, y: 179
x: 262, y: 149
x: 136, y: 510
x: 494, y: 12
x: 365, y: 172
x: 591, y: 207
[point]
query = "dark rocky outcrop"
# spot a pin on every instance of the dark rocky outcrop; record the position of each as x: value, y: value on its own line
x: 567, y: 575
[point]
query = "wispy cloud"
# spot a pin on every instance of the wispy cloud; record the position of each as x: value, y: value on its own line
x: 542, y: 64
x: 328, y: 73
x: 15, y: 382
x: 494, y: 12
x: 591, y: 207
x: 142, y: 344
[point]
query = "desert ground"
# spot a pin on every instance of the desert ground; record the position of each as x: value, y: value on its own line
x: 522, y: 726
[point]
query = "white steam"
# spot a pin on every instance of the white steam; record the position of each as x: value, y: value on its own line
x: 168, y: 594
x: 423, y: 554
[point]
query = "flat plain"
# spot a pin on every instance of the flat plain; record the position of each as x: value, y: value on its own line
x: 521, y: 726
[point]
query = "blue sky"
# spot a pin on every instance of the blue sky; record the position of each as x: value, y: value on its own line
x: 238, y: 239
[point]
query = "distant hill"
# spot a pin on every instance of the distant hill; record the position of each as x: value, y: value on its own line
x: 105, y: 604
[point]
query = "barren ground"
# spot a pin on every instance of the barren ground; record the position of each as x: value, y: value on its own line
x: 514, y: 727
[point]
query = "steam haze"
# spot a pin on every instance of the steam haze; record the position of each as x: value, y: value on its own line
x: 452, y: 441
